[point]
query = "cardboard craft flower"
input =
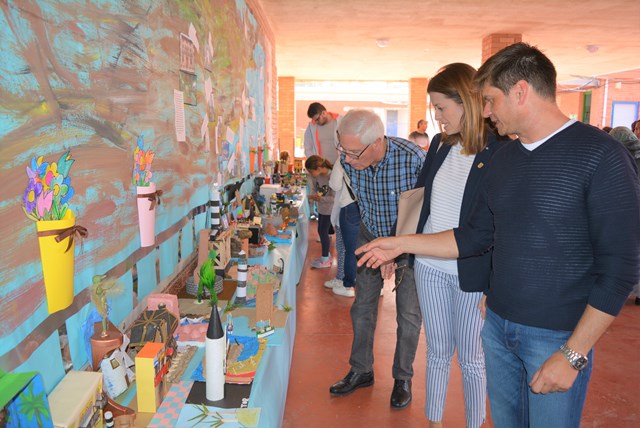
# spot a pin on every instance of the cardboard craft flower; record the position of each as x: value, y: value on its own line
x: 49, y: 188
x: 142, y: 164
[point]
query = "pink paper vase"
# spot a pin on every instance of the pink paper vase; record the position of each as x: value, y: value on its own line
x: 147, y: 214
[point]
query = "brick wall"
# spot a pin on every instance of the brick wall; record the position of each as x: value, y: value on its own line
x: 417, y: 101
x: 286, y: 113
x: 494, y: 42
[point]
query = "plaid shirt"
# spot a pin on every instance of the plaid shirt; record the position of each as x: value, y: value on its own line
x: 378, y: 187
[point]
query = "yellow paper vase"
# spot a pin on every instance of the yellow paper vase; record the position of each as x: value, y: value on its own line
x: 57, y: 260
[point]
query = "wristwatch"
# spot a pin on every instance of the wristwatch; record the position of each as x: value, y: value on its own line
x: 577, y: 361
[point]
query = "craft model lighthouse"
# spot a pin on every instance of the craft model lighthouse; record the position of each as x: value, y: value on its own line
x: 215, y: 212
x: 215, y: 351
x: 241, y: 288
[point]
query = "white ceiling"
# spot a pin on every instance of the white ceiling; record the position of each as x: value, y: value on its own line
x: 336, y: 39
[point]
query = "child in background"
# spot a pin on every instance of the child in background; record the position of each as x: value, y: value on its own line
x: 320, y: 171
x: 282, y: 167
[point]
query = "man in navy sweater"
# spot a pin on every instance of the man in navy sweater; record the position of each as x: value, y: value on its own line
x: 561, y: 208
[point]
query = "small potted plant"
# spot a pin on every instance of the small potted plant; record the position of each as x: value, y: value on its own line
x: 108, y: 339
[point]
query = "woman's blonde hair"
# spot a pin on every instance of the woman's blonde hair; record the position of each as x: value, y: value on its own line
x: 455, y: 81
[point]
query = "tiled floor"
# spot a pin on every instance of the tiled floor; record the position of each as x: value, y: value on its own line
x: 323, y: 343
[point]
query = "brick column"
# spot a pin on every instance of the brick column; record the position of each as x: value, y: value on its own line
x: 417, y: 101
x: 286, y: 113
x: 492, y: 43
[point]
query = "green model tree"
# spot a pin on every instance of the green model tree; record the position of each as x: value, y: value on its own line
x: 207, y: 277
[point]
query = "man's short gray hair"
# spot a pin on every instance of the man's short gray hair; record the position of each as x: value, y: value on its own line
x: 363, y: 123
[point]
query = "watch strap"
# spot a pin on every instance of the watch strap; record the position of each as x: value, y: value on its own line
x: 577, y: 360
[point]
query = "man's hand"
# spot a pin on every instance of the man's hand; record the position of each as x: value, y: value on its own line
x: 555, y: 375
x: 315, y: 197
x: 387, y: 270
x: 379, y: 251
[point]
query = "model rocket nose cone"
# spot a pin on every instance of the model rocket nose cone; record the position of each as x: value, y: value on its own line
x: 214, y: 331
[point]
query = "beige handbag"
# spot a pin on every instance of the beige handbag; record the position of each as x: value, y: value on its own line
x: 409, y: 208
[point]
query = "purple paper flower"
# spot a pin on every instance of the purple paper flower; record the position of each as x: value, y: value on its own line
x: 30, y: 195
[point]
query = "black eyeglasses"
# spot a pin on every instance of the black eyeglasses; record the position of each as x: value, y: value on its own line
x: 354, y: 156
x: 318, y: 117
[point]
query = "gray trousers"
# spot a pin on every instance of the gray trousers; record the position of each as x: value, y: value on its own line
x: 364, y: 316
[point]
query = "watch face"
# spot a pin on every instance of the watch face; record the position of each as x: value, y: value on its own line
x: 580, y: 363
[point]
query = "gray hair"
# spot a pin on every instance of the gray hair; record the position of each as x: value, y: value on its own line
x: 363, y: 123
x: 623, y: 134
x: 628, y: 138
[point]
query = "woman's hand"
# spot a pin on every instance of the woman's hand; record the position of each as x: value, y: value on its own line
x: 379, y: 251
x: 482, y: 306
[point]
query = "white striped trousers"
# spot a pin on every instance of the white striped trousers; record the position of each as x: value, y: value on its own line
x: 452, y: 322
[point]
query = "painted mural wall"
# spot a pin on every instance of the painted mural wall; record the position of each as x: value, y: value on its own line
x: 95, y: 78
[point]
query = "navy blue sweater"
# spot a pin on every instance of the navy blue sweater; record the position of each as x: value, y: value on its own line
x: 564, y: 223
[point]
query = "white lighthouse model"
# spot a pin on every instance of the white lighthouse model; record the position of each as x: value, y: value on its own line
x: 215, y: 351
x: 215, y: 212
x: 241, y: 288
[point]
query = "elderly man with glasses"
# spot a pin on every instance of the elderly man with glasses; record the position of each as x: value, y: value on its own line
x: 379, y: 169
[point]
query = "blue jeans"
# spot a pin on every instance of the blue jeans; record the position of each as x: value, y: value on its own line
x: 324, y: 224
x: 364, y: 317
x: 513, y: 354
x: 350, y: 227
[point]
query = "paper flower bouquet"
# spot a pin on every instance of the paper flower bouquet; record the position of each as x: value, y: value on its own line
x: 49, y: 188
x: 148, y: 196
x: 46, y: 201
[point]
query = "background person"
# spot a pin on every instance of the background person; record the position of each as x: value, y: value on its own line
x: 420, y: 136
x: 631, y: 142
x: 323, y: 195
x: 320, y: 136
x: 345, y: 218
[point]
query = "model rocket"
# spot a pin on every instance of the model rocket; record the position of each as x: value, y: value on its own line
x: 215, y: 354
x: 241, y: 288
x: 215, y: 212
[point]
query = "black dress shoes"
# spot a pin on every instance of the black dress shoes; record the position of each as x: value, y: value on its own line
x: 351, y: 382
x: 401, y: 395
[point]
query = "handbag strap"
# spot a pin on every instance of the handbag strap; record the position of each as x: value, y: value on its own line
x: 349, y: 190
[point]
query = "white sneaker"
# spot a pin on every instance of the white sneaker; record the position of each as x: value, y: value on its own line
x: 333, y: 283
x: 341, y: 290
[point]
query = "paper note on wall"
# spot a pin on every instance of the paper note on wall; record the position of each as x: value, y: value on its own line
x: 193, y: 35
x: 204, y: 132
x: 231, y: 136
x: 208, y: 96
x: 178, y: 103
